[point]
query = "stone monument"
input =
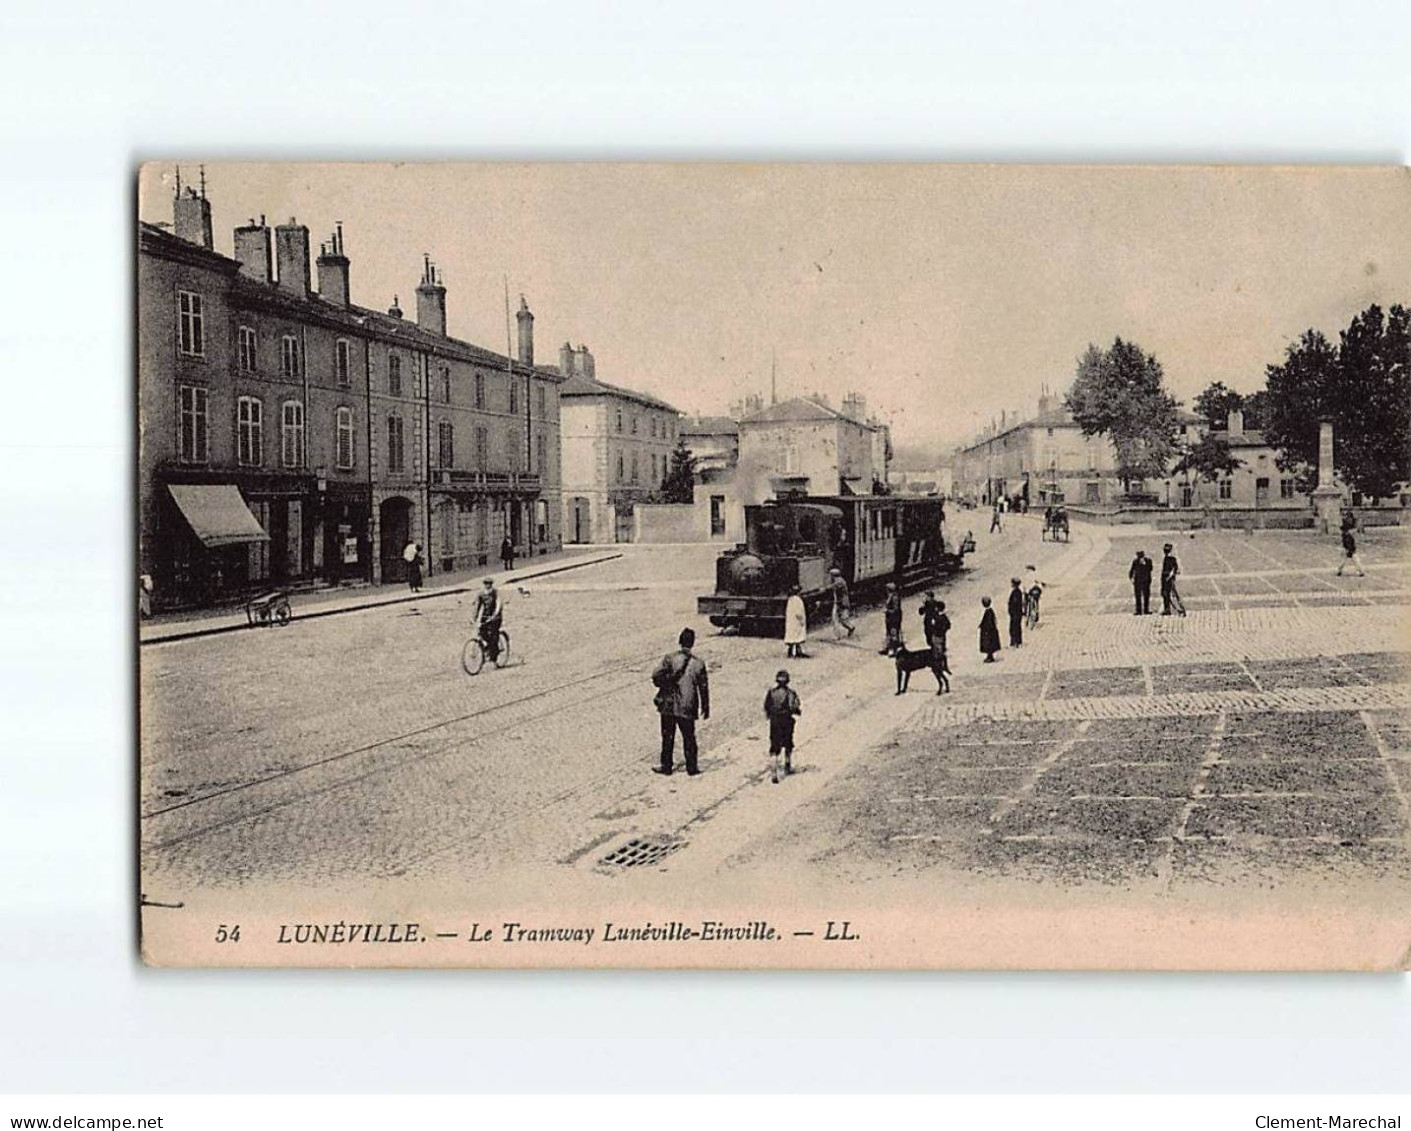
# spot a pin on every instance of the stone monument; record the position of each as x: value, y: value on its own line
x: 1327, y: 497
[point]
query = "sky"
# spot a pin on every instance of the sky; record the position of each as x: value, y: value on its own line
x: 943, y: 294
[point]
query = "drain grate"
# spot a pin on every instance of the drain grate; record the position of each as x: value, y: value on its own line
x: 639, y: 852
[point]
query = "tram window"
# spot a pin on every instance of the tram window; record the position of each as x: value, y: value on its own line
x: 808, y: 529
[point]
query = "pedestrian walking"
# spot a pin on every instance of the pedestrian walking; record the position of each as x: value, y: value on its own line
x: 1140, y: 573
x: 683, y: 694
x: 842, y: 605
x: 781, y: 707
x: 1016, y: 613
x: 891, y: 616
x: 507, y: 552
x: 795, y: 625
x: 989, y: 632
x: 1170, y: 595
x: 412, y: 556
x: 995, y: 523
x: 1349, y: 549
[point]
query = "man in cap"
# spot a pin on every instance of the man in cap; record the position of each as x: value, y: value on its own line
x: 489, y: 616
x: 1140, y: 573
x: 683, y: 694
x: 781, y: 706
x: 891, y: 614
x: 1016, y: 613
x: 842, y: 604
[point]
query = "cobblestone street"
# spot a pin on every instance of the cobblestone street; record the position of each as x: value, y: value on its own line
x: 1263, y: 739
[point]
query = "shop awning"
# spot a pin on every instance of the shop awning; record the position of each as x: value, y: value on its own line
x: 217, y: 514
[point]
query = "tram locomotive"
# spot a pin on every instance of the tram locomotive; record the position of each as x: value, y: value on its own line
x: 796, y: 540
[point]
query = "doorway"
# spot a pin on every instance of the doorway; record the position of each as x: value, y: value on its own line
x: 395, y: 522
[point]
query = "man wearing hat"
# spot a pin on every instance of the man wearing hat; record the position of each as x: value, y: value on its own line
x: 1016, y: 613
x: 683, y: 694
x: 1140, y: 573
x: 781, y: 706
x: 1170, y: 598
x: 489, y: 615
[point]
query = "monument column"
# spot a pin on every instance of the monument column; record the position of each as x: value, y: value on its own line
x: 1327, y: 498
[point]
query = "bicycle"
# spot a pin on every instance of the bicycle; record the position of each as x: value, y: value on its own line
x: 473, y: 653
x: 1031, y: 611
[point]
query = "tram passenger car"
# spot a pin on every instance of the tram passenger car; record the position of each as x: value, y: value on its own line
x: 796, y: 540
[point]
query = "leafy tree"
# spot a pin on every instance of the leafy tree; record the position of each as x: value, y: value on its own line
x: 1117, y: 393
x: 1256, y: 409
x: 1208, y: 459
x: 1216, y: 403
x: 679, y: 484
x: 1363, y: 385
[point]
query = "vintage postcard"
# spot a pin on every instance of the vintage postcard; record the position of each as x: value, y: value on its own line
x: 773, y: 566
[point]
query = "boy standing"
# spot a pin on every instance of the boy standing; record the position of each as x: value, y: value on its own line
x: 781, y: 705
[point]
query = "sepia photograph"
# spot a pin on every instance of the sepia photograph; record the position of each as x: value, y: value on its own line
x: 773, y: 566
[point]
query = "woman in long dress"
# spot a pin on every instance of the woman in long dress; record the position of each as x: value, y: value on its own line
x: 989, y: 632
x: 795, y: 624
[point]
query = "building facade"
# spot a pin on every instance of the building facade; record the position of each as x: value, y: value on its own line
x: 617, y: 446
x: 344, y: 432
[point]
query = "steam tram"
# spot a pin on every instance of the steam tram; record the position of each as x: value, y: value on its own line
x: 795, y: 541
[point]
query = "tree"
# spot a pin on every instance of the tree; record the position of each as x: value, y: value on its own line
x: 1363, y: 386
x: 1117, y: 393
x: 1256, y: 409
x: 1216, y: 403
x: 679, y: 484
x: 1208, y: 459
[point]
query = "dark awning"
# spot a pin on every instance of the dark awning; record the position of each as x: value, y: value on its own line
x: 217, y: 514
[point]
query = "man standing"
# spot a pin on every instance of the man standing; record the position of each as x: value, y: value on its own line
x: 1016, y: 613
x: 1170, y: 597
x: 1349, y: 546
x: 1140, y: 573
x: 995, y: 523
x: 683, y: 693
x: 891, y: 615
x: 935, y: 624
x: 842, y: 605
x: 507, y: 553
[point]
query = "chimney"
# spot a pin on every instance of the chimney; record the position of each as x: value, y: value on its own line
x: 291, y: 243
x: 431, y: 300
x: 586, y: 366
x: 395, y: 310
x: 855, y: 407
x: 566, y: 359
x: 192, y: 213
x: 526, y: 333
x: 252, y: 249
x: 1235, y: 423
x: 333, y: 270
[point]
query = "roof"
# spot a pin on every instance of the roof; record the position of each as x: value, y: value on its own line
x: 1250, y: 438
x: 581, y: 386
x: 797, y: 410
x: 157, y: 240
x: 708, y: 426
x: 1060, y: 417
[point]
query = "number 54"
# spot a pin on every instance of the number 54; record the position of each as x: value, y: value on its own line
x: 228, y: 934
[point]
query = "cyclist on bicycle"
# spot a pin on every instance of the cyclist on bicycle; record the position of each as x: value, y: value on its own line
x: 489, y: 616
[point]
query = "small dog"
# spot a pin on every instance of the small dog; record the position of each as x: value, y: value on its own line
x: 913, y: 660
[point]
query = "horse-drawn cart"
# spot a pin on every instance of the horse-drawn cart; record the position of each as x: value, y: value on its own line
x: 1055, y: 525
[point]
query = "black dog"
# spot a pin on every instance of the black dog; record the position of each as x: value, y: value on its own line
x: 909, y: 661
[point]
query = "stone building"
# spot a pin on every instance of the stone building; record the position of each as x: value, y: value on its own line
x: 289, y: 436
x: 617, y: 445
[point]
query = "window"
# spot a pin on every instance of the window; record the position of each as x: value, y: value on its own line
x: 1226, y: 488
x: 289, y: 355
x: 512, y: 449
x: 246, y: 349
x: 192, y: 329
x: 446, y: 383
x: 343, y: 421
x: 341, y: 367
x: 193, y: 439
x: 482, y: 447
x: 291, y: 434
x: 619, y: 467
x: 619, y: 424
x: 394, y: 375
x: 543, y: 402
x: 250, y: 427
x: 541, y: 453
x: 514, y: 394
x: 396, y: 454
x: 480, y: 390
x: 654, y: 468
x: 634, y: 465
x: 446, y: 444
x: 1287, y: 488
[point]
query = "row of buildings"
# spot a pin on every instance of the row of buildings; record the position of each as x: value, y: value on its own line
x: 289, y: 436
x: 1045, y: 458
